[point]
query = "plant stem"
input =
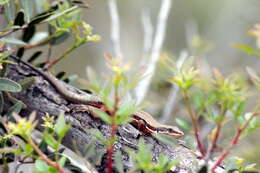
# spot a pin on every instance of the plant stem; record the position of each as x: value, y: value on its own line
x: 194, y: 123
x: 113, y: 133
x: 45, y: 158
x: 6, y: 33
x: 234, y: 141
x: 216, y: 134
x: 69, y: 50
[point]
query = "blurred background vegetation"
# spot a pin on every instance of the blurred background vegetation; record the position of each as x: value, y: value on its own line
x: 218, y: 24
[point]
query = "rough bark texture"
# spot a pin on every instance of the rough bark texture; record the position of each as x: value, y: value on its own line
x: 42, y: 97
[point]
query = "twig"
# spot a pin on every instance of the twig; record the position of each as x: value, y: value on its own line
x: 194, y: 124
x: 216, y: 134
x: 4, y: 34
x: 45, y: 158
x: 115, y: 26
x: 234, y: 141
x: 171, y: 101
x: 143, y: 86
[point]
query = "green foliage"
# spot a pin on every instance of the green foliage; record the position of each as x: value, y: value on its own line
x: 213, y: 98
x: 249, y: 50
x: 183, y: 124
x: 9, y: 85
x: 52, y: 136
x: 143, y: 160
x: 238, y: 164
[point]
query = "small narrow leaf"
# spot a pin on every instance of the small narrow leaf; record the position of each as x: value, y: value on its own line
x: 104, y: 116
x: 249, y: 50
x: 34, y: 56
x: 60, y: 127
x: 41, y: 166
x: 20, y: 52
x: 15, y: 108
x: 60, y: 38
x: 62, y: 161
x: 183, y: 124
x: 19, y: 20
x: 9, y: 85
x: 38, y: 37
x: 26, y: 82
x: 60, y: 75
x: 52, y: 17
x: 28, y: 33
x: 51, y: 141
x: 14, y: 41
x: 44, y: 15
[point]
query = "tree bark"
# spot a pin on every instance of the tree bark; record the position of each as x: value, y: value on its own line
x: 42, y: 97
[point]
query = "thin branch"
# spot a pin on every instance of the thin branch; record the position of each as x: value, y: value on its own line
x: 234, y: 141
x: 43, y: 157
x: 143, y: 86
x: 171, y: 101
x: 194, y: 121
x: 216, y: 135
x: 115, y: 26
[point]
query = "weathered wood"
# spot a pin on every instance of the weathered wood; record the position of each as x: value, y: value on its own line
x: 42, y: 97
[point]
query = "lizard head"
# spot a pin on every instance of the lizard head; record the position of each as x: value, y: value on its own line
x: 171, y: 131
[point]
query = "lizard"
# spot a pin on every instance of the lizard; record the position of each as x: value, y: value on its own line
x: 141, y: 120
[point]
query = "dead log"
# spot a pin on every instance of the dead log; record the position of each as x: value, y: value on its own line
x: 42, y: 97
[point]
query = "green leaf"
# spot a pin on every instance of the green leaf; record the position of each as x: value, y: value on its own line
x: 38, y: 37
x: 25, y: 83
x: 118, y: 162
x: 41, y: 166
x: 183, y: 124
x: 98, y: 135
x: 60, y: 38
x: 14, y: 41
x: 28, y: 148
x: 60, y: 14
x: 19, y: 20
x: 249, y: 50
x: 34, y: 56
x: 50, y: 141
x: 239, y: 109
x: 27, y: 5
x: 62, y: 161
x: 15, y: 108
x: 60, y: 127
x: 127, y: 108
x: 104, y: 116
x: 9, y: 85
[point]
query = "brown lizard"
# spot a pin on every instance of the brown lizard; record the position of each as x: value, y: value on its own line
x: 141, y: 120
